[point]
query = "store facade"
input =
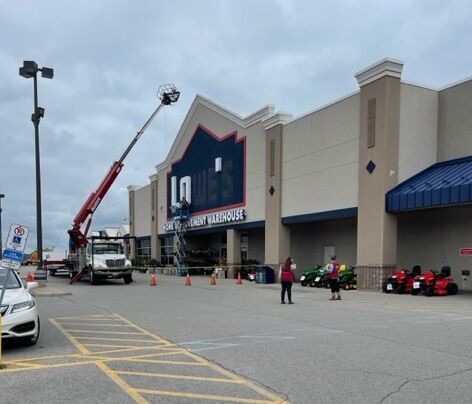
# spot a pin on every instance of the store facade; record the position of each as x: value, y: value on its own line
x: 267, y: 186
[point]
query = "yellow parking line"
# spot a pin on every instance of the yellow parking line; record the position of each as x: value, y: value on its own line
x: 71, y: 338
x: 171, y: 376
x: 202, y: 396
x: 160, y: 362
x: 157, y: 338
x: 105, y: 332
x: 96, y: 325
x: 119, y: 339
x: 89, y: 317
x: 225, y: 372
x: 120, y: 382
x: 115, y: 346
x: 101, y: 361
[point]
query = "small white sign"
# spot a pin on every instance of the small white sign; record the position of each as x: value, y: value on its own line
x: 12, y: 264
x: 17, y: 237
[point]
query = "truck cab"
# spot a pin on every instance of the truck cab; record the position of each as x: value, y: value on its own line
x: 106, y: 260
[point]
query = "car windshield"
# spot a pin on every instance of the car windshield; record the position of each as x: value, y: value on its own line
x: 107, y: 248
x: 13, y: 281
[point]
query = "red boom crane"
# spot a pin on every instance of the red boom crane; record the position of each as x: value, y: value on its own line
x: 168, y: 95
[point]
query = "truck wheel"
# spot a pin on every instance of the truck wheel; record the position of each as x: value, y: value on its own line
x: 128, y: 279
x: 92, y: 278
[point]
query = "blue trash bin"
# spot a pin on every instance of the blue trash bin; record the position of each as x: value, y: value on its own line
x: 265, y: 274
x: 260, y: 275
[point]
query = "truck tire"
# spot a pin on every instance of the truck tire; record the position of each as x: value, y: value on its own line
x: 92, y: 278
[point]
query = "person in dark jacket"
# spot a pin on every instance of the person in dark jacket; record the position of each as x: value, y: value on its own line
x: 287, y: 277
x: 333, y: 278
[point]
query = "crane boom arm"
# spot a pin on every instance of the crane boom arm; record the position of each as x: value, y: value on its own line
x: 168, y: 95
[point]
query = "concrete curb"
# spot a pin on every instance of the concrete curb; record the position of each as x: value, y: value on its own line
x: 49, y: 291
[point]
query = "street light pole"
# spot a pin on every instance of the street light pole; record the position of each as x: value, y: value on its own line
x: 30, y: 70
x: 1, y: 242
x: 39, y: 221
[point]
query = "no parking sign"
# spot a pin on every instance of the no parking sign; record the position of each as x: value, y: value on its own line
x: 17, y: 237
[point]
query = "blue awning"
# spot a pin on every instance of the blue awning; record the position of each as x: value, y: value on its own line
x: 443, y: 184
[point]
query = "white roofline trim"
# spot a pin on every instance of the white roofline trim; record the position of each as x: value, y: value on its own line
x: 457, y: 83
x: 385, y: 67
x: 411, y: 83
x: 244, y: 123
x: 280, y: 118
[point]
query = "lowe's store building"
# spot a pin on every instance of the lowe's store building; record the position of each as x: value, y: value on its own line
x: 381, y: 178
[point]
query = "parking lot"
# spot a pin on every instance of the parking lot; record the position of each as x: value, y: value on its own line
x: 236, y: 343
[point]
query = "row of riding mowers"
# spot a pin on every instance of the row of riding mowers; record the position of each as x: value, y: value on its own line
x: 318, y: 277
x: 431, y: 283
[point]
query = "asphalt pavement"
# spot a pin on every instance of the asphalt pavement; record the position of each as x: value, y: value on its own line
x: 237, y: 343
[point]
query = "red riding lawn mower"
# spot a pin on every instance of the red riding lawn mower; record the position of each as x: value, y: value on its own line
x: 401, y: 281
x: 433, y: 283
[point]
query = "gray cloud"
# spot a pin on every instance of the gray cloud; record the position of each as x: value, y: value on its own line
x: 110, y: 56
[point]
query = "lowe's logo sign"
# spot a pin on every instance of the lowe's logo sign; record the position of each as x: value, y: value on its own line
x: 210, y: 175
x: 208, y: 220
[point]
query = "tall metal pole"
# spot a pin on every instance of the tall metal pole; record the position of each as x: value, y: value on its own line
x: 39, y: 224
x: 1, y: 242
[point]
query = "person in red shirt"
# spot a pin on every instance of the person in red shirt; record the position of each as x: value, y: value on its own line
x: 333, y: 278
x: 287, y: 276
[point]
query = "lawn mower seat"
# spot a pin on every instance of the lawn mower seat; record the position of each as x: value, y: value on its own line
x: 416, y: 270
x: 445, y: 271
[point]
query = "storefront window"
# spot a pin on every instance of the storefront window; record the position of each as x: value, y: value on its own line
x: 167, y: 251
x: 143, y: 247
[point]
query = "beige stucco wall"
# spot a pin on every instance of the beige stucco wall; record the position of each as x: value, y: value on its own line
x: 255, y: 160
x: 308, y: 242
x: 418, y: 130
x: 320, y: 159
x: 432, y: 238
x: 142, y: 211
x: 455, y: 121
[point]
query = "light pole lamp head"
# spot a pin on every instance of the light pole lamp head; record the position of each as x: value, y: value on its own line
x: 29, y: 69
x: 168, y: 94
x: 47, y: 72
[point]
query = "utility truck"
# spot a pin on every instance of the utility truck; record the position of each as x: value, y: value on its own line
x: 94, y: 259
x: 106, y: 259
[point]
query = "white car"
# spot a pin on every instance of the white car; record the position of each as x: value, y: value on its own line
x: 18, y: 310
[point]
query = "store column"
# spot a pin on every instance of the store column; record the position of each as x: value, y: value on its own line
x: 378, y: 171
x: 132, y: 233
x: 155, y: 241
x: 233, y: 245
x: 277, y: 235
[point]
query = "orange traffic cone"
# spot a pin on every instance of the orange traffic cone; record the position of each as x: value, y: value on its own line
x: 188, y: 280
x: 213, y: 280
x: 153, y: 280
x: 239, y: 281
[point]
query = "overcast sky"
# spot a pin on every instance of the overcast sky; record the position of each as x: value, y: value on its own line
x: 110, y: 56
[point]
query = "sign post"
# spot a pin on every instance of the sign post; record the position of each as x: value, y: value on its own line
x: 11, y: 261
